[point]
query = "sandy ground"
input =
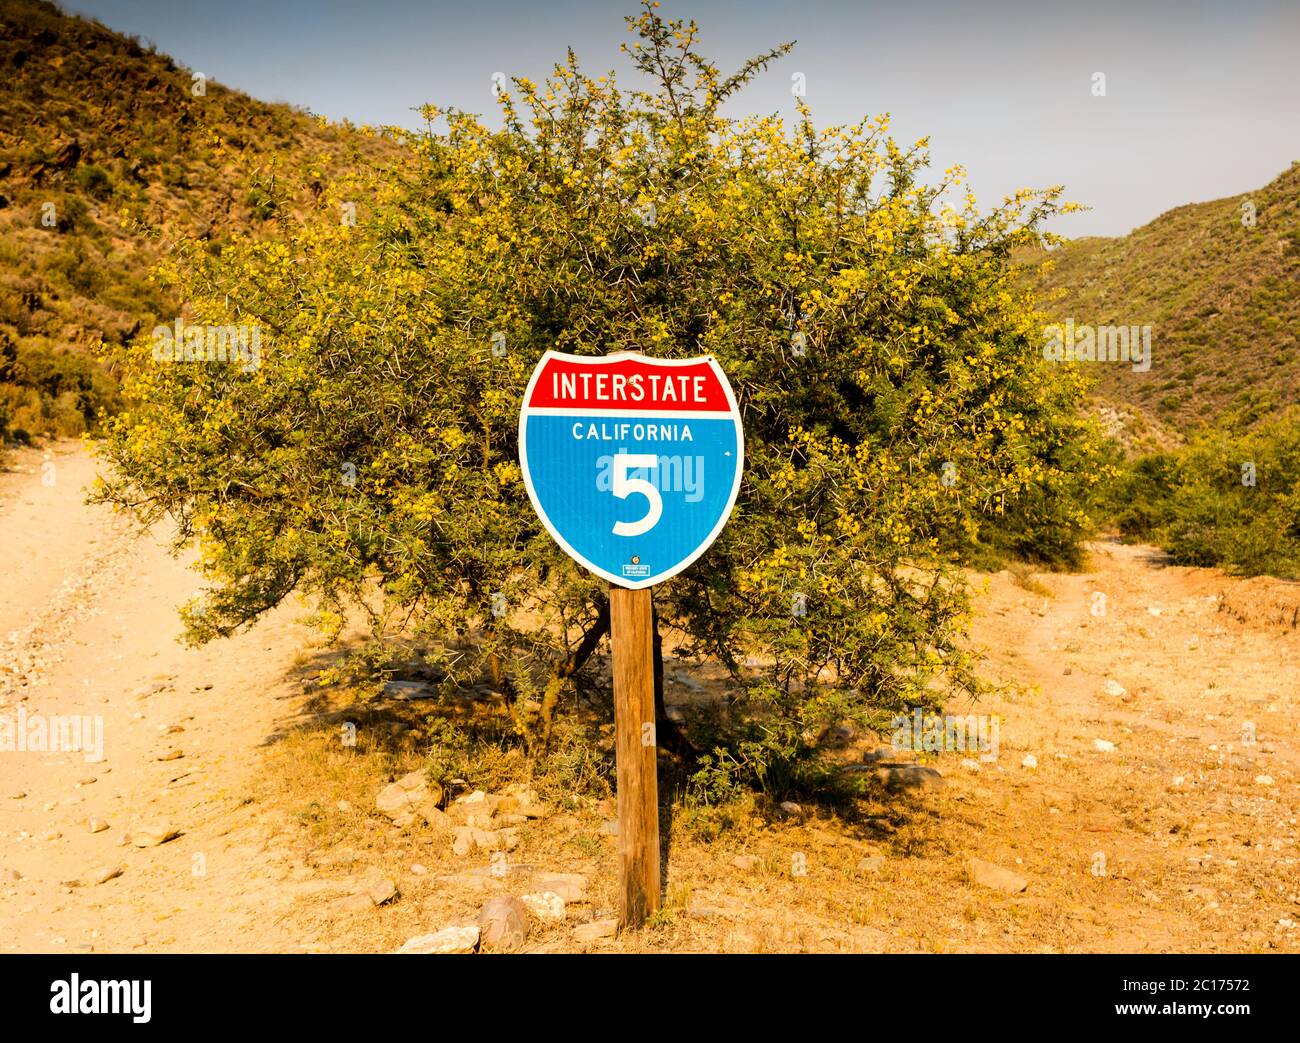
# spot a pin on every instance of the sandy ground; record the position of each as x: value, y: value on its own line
x: 1156, y: 813
x: 88, y: 627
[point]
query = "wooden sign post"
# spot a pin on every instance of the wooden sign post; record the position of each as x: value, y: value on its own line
x: 633, y: 465
x: 632, y: 637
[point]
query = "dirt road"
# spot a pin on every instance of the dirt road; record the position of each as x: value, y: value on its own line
x: 88, y: 628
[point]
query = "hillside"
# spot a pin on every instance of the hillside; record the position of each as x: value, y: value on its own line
x: 1222, y: 298
x: 109, y: 153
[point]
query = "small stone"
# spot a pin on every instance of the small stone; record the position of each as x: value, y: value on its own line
x: 96, y: 825
x: 17, y: 795
x: 378, y: 888
x: 908, y: 777
x: 745, y: 862
x: 546, y: 905
x: 871, y: 864
x: 153, y: 835
x: 103, y: 874
x: 503, y: 924
x: 344, y: 806
x: 969, y: 764
x: 1264, y: 780
x: 417, y: 782
x: 1103, y: 745
x: 419, y: 870
x: 448, y: 941
x: 356, y: 903
x: 171, y: 755
x: 789, y: 809
x: 1114, y: 689
x: 10, y: 876
x: 572, y: 887
x: 466, y: 839
x: 995, y: 876
x: 512, y: 819
x: 592, y: 932
x: 1030, y: 761
x: 89, y: 780
x: 411, y: 795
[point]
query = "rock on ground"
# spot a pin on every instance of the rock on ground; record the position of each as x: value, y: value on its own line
x: 448, y: 941
x: 908, y: 777
x: 153, y: 834
x: 411, y: 799
x: 591, y: 932
x: 546, y: 905
x: 995, y: 876
x: 572, y: 887
x: 503, y: 924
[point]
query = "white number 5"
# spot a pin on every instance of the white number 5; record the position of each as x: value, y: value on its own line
x: 623, y: 487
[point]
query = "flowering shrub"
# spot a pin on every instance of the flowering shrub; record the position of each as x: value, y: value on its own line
x: 897, y: 410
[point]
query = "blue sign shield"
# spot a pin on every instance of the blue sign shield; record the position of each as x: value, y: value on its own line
x: 633, y: 464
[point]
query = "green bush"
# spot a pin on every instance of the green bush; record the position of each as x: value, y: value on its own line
x: 1219, y: 514
x: 1228, y: 499
x: 874, y: 334
x: 1138, y: 499
x: 94, y: 181
x: 49, y: 391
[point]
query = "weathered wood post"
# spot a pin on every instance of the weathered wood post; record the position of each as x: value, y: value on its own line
x: 632, y: 638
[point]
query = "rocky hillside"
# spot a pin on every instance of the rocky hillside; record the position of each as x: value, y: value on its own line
x: 1219, y: 284
x: 109, y: 153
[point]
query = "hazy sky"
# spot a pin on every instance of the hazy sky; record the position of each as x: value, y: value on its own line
x: 1202, y: 98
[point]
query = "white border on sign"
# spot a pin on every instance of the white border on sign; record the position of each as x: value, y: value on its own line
x: 601, y: 360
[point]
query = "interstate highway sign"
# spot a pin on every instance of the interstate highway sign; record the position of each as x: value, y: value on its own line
x: 632, y: 463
